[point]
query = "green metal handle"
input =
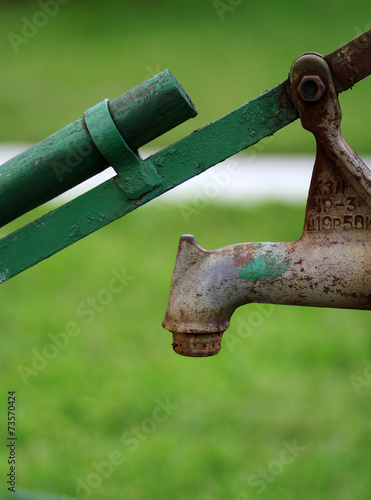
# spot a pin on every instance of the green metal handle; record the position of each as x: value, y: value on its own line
x: 70, y: 156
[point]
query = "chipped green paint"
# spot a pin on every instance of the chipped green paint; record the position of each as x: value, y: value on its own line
x: 266, y: 266
x: 69, y: 156
x: 107, y: 202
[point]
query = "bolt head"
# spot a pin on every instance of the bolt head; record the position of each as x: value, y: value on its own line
x: 311, y: 88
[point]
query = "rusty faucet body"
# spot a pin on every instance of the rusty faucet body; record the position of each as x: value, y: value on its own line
x: 329, y: 266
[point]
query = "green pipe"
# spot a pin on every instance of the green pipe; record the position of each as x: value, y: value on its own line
x: 69, y: 156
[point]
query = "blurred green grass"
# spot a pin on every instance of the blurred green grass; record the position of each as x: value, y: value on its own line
x: 286, y: 380
x: 87, y: 53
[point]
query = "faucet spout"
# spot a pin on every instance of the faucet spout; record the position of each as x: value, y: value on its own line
x: 208, y: 286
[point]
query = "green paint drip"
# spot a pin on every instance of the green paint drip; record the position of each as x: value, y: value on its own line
x: 265, y: 267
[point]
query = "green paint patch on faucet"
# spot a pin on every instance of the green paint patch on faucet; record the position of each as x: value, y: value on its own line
x: 266, y: 266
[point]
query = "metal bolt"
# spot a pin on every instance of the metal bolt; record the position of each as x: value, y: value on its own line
x: 311, y: 88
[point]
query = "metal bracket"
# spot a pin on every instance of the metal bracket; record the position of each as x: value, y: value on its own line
x: 133, y: 176
x: 339, y: 198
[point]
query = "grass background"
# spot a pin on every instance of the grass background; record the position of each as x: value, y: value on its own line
x: 223, y: 59
x: 289, y: 380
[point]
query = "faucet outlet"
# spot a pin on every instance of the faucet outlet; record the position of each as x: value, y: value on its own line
x: 197, y: 345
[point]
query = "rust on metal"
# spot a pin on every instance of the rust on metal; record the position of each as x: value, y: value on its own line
x: 351, y: 63
x: 198, y: 345
x: 311, y: 88
x: 329, y: 266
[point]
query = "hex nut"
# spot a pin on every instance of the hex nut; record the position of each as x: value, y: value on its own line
x: 311, y: 88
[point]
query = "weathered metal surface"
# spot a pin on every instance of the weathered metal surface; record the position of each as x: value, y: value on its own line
x: 69, y: 156
x: 351, y: 63
x: 311, y: 88
x: 189, y: 157
x: 199, y: 345
x: 133, y: 177
x: 329, y: 266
